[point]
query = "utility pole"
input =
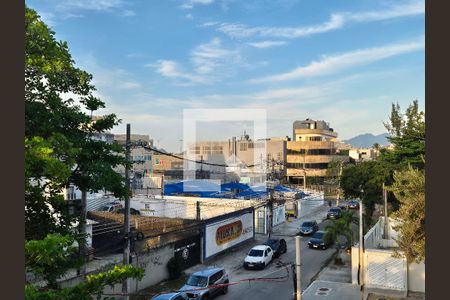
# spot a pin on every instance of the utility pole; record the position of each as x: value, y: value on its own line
x: 83, y: 247
x: 298, y: 273
x: 126, y: 248
x: 198, y: 217
x: 386, y: 228
x: 361, y: 250
x: 271, y: 211
x: 201, y: 167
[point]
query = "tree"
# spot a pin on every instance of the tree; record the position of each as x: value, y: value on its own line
x: 50, y: 257
x: 336, y: 229
x: 59, y: 148
x: 60, y: 151
x: 407, y: 134
x: 409, y: 189
x: 364, y: 180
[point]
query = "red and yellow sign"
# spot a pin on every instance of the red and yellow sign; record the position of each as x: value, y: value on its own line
x: 228, y: 232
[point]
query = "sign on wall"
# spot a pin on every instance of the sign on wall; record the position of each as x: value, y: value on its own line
x: 224, y: 234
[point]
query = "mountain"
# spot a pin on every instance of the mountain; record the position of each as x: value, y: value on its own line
x: 367, y: 140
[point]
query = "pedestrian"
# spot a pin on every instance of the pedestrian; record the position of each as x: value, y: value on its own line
x: 329, y: 203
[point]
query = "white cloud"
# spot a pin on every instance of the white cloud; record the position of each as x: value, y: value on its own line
x: 267, y: 44
x: 211, y: 56
x: 189, y: 16
x: 128, y: 13
x: 237, y: 30
x: 403, y: 10
x: 336, y: 21
x: 172, y: 69
x: 72, y: 8
x: 334, y: 63
x: 210, y: 62
x: 98, y: 5
x: 191, y: 3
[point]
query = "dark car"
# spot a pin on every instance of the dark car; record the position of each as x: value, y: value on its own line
x: 278, y: 246
x: 334, y: 213
x: 353, y: 204
x: 317, y: 241
x: 308, y: 228
x: 132, y: 211
x: 206, y: 283
x: 343, y: 206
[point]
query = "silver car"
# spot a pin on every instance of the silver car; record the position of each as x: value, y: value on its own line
x: 201, y: 285
x: 170, y: 296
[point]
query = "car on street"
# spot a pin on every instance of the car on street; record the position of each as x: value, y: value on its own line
x: 258, y: 257
x: 343, y: 206
x: 353, y: 204
x: 202, y: 285
x: 334, y: 213
x: 171, y: 296
x: 317, y: 241
x: 111, y: 207
x: 278, y: 246
x: 308, y: 228
x: 132, y: 211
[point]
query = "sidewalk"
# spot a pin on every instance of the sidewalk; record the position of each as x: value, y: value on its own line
x: 338, y: 273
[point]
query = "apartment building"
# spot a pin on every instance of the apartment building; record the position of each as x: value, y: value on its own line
x: 261, y: 156
x: 313, y: 147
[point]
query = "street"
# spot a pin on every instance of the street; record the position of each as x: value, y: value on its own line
x: 312, y: 261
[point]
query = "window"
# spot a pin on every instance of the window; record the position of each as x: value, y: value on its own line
x: 243, y: 146
x: 147, y: 206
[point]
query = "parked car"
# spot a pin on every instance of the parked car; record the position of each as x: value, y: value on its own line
x: 111, y: 207
x: 334, y: 213
x: 171, y: 296
x: 278, y: 246
x: 206, y: 279
x: 308, y: 228
x: 258, y: 257
x: 317, y: 241
x: 343, y: 206
x: 132, y: 211
x: 353, y: 204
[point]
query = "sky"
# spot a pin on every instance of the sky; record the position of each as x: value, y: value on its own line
x: 342, y: 61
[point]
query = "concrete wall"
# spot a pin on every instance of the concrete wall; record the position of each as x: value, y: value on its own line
x: 416, y: 277
x: 154, y: 264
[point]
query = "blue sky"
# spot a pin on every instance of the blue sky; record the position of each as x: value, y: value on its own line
x: 342, y: 61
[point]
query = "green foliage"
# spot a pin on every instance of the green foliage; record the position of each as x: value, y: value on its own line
x: 59, y: 150
x: 91, y: 288
x: 364, y: 180
x: 407, y: 132
x: 409, y: 189
x: 174, y: 266
x: 51, y: 257
x: 337, y: 228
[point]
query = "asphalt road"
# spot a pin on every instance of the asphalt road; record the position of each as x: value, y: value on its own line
x: 312, y: 262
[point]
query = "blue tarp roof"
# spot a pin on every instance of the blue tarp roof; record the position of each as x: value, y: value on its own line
x: 282, y: 188
x: 202, y: 188
x: 233, y: 186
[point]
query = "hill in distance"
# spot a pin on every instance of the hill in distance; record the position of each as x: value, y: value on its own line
x: 367, y: 140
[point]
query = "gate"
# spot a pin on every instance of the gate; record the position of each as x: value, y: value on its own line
x: 260, y: 220
x: 384, y: 271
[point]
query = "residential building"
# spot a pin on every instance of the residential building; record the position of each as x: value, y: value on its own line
x: 363, y: 154
x: 265, y: 156
x: 313, y: 147
x: 145, y: 139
